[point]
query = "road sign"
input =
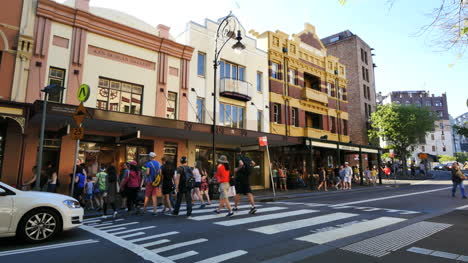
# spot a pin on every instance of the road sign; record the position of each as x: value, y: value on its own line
x: 262, y: 141
x: 80, y: 114
x: 83, y: 92
x: 77, y: 133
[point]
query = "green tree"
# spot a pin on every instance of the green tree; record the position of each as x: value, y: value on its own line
x: 462, y: 157
x: 402, y: 126
x: 462, y: 130
x: 446, y: 158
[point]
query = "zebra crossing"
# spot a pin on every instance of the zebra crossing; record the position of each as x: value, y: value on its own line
x: 314, y: 224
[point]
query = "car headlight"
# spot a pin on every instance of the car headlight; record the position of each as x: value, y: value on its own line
x: 71, y: 204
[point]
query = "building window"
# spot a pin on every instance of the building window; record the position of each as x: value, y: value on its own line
x: 369, y: 110
x: 201, y: 64
x: 259, y: 120
x: 432, y: 136
x: 423, y: 149
x: 444, y: 149
x: 428, y: 103
x: 433, y: 148
x: 259, y: 81
x: 56, y: 76
x: 441, y: 125
x: 274, y: 70
x: 365, y: 57
x: 365, y: 91
x: 200, y: 109
x: 438, y: 103
x: 171, y: 110
x: 363, y: 73
x: 120, y: 96
x: 367, y: 75
x: 295, y: 117
x: 345, y: 127
x: 333, y: 125
x: 365, y: 109
x: 292, y: 76
x: 231, y: 116
x: 231, y: 71
x: 341, y: 92
x: 440, y: 114
x: 276, y: 113
x: 1, y: 55
x: 362, y: 55
x: 329, y: 89
x: 368, y: 92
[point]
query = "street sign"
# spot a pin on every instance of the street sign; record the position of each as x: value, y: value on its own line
x: 83, y: 92
x: 80, y: 114
x: 262, y: 141
x: 77, y: 133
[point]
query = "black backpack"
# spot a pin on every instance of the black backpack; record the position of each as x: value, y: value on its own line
x: 189, y: 178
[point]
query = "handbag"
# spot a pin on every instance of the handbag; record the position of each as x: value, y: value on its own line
x: 157, y: 177
x: 231, y: 191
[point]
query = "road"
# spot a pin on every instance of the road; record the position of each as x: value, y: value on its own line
x: 407, y: 223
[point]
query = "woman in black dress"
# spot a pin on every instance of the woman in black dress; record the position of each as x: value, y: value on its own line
x: 167, y: 171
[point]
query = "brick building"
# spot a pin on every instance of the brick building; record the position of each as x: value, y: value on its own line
x: 356, y: 56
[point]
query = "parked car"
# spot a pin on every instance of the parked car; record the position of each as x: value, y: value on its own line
x: 448, y: 166
x: 36, y: 216
x: 439, y: 167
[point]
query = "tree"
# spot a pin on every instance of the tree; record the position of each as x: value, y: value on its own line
x: 402, y: 126
x: 462, y: 130
x: 446, y: 158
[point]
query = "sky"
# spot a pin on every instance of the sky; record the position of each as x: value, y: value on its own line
x: 404, y: 61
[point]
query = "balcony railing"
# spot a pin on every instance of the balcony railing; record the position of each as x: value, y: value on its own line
x: 310, y: 94
x: 235, y: 89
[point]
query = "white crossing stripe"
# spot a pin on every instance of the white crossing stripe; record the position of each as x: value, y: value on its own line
x: 133, y: 235
x: 183, y: 255
x: 315, y: 205
x: 349, y: 230
x: 154, y: 243
x: 183, y: 244
x: 132, y: 230
x: 224, y: 257
x: 154, y: 236
x: 41, y: 248
x: 252, y: 219
x: 245, y: 212
x: 91, y: 221
x: 114, y: 229
x: 105, y: 224
x: 119, y: 225
x: 462, y: 207
x: 420, y: 250
x: 210, y: 210
x: 291, y: 225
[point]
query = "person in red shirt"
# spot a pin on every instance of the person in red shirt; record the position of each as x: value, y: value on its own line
x: 387, y: 172
x: 222, y: 175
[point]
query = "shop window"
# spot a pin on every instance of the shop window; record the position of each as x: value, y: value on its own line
x: 295, y: 117
x: 231, y: 71
x: 231, y: 116
x: 201, y: 64
x: 200, y: 109
x: 274, y: 70
x: 171, y: 110
x: 56, y: 76
x: 119, y: 96
x: 259, y: 81
x: 277, y: 113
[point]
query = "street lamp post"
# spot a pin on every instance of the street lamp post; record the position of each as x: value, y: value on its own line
x: 338, y: 97
x: 51, y: 89
x: 225, y: 32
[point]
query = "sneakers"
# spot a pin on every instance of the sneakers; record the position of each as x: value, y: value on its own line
x: 189, y: 217
x: 216, y: 211
x: 202, y: 206
x: 230, y: 214
x: 253, y: 210
x: 235, y: 209
x: 174, y: 214
x: 114, y: 215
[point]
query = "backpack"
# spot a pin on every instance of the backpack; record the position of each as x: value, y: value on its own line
x: 189, y: 178
x: 157, y: 176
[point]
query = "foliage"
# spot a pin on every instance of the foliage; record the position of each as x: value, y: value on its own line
x: 462, y: 130
x: 461, y: 157
x: 385, y: 156
x: 446, y: 158
x: 402, y: 126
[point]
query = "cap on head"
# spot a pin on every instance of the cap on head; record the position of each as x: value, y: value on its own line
x: 152, y: 154
x: 183, y: 159
x: 346, y: 163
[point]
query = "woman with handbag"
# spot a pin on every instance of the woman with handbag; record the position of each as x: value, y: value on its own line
x: 457, y: 178
x: 131, y: 185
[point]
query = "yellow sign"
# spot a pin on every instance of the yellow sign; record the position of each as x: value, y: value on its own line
x: 77, y: 133
x: 80, y: 114
x: 83, y: 92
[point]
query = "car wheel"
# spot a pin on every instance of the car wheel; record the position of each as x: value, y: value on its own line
x: 39, y: 225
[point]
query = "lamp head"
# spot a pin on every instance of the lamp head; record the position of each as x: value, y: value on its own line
x: 238, y: 46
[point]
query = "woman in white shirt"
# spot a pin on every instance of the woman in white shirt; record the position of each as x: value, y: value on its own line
x: 198, y: 180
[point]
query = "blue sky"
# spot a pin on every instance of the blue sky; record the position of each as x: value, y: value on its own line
x: 404, y: 61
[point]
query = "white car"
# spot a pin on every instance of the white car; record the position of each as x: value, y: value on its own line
x: 36, y: 216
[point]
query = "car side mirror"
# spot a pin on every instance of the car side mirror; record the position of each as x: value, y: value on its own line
x: 3, y: 192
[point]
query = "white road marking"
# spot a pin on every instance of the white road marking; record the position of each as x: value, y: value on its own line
x: 436, y: 253
x: 154, y: 236
x: 231, y: 222
x: 183, y: 244
x: 119, y: 225
x: 91, y: 221
x: 105, y: 224
x: 461, y: 207
x: 137, y: 249
x: 338, y: 233
x: 224, y: 257
x: 183, y: 255
x: 132, y: 230
x: 315, y: 205
x: 154, y: 243
x: 393, y: 196
x: 133, y: 235
x: 202, y: 211
x: 41, y: 248
x: 245, y: 212
x: 292, y: 225
x: 420, y: 250
x: 114, y: 229
x: 442, y: 254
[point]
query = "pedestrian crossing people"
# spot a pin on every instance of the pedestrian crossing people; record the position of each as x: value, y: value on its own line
x: 183, y: 189
x: 151, y: 190
x: 242, y: 184
x: 457, y: 179
x: 223, y: 177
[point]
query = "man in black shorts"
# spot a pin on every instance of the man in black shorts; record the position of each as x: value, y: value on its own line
x: 242, y: 180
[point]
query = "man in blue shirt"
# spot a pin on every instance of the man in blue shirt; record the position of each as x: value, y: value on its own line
x: 152, y: 170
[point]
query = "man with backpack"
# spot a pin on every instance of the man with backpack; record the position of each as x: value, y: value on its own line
x: 242, y: 184
x: 153, y: 184
x: 184, y: 183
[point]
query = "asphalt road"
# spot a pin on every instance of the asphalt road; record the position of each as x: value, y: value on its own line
x: 408, y: 223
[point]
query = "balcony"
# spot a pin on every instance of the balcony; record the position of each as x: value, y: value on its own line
x: 235, y: 89
x: 314, y: 95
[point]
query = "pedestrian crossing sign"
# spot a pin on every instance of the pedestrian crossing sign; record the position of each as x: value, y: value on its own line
x: 83, y: 92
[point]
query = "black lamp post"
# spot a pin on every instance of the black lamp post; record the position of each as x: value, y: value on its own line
x: 50, y: 89
x: 338, y: 97
x: 226, y: 31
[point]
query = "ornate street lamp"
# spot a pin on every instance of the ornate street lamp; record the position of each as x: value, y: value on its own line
x: 226, y: 31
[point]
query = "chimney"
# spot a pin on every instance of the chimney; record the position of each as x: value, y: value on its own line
x: 82, y: 5
x: 163, y: 31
